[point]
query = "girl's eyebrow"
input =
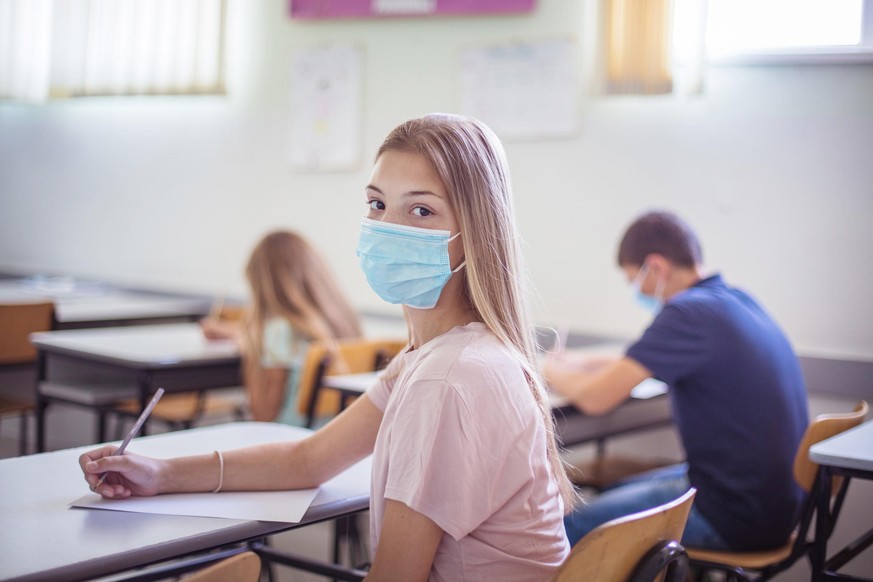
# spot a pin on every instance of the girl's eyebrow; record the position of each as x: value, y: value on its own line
x: 410, y: 193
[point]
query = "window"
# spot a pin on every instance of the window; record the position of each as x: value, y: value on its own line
x: 774, y: 31
x: 72, y: 48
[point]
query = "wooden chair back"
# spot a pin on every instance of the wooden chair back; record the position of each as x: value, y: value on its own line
x: 17, y: 322
x: 234, y: 312
x: 613, y: 551
x: 347, y: 357
x: 770, y: 562
x: 244, y: 567
x: 824, y: 427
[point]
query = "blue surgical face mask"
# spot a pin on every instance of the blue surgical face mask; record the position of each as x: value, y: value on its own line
x: 405, y: 264
x: 648, y: 302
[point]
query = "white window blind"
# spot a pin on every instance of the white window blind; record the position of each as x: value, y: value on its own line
x: 774, y: 31
x: 70, y: 48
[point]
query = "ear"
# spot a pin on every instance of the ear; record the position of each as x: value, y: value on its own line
x: 658, y: 264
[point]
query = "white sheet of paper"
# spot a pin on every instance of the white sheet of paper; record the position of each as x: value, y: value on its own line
x: 648, y: 388
x: 522, y: 90
x: 388, y: 7
x: 284, y: 506
x: 326, y: 108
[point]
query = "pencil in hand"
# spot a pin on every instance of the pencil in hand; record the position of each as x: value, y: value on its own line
x: 132, y: 433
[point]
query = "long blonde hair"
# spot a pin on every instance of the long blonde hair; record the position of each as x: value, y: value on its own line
x: 289, y: 279
x: 471, y: 163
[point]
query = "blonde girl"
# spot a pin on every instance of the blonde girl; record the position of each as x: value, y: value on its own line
x: 467, y: 483
x: 294, y: 301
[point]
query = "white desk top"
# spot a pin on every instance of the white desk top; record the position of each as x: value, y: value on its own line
x: 42, y: 537
x: 852, y: 449
x: 359, y: 383
x: 351, y: 382
x: 93, y: 301
x: 641, y: 412
x: 140, y: 345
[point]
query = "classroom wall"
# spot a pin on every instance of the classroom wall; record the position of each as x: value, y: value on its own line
x: 772, y: 165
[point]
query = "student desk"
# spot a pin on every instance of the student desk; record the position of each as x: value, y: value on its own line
x: 648, y: 409
x: 89, y: 304
x: 135, y: 361
x: 848, y: 454
x: 42, y: 538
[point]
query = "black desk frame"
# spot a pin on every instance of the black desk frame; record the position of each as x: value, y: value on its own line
x: 824, y: 568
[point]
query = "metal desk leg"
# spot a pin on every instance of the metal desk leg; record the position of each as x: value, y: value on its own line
x: 41, y: 401
x: 818, y: 555
x: 101, y: 425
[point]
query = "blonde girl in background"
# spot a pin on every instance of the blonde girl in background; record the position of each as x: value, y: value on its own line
x: 294, y: 301
x: 467, y: 483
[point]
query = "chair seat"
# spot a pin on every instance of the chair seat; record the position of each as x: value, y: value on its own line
x: 183, y: 407
x: 88, y: 394
x: 244, y: 567
x: 747, y: 560
x: 608, y: 470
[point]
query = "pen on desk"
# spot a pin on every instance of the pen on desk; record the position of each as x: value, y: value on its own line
x: 132, y: 432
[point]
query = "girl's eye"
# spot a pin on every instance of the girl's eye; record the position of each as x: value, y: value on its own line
x: 419, y: 211
x: 376, y: 204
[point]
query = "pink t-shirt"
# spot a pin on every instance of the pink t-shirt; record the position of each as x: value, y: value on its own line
x: 462, y: 442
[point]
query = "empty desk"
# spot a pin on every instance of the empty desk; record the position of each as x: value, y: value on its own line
x: 135, y: 360
x: 848, y: 454
x: 80, y: 304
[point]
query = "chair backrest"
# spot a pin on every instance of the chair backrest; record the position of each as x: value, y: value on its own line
x: 350, y: 357
x: 823, y: 427
x: 232, y: 312
x: 17, y: 322
x: 244, y: 567
x: 612, y: 551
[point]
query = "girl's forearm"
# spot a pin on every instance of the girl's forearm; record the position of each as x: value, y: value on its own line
x: 270, y: 467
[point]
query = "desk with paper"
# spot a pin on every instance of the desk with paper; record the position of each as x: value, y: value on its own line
x: 43, y: 538
x: 648, y: 408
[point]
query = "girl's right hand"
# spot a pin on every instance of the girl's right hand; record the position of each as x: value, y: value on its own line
x: 219, y: 329
x: 129, y: 474
x: 212, y: 329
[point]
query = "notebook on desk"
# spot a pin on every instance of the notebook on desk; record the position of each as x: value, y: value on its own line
x: 646, y: 389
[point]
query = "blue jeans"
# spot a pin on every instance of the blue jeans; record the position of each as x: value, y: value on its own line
x: 639, y: 493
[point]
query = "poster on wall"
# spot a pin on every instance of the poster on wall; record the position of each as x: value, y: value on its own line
x: 325, y: 108
x: 524, y: 90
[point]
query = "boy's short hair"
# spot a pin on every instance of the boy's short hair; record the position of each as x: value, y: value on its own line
x: 662, y: 233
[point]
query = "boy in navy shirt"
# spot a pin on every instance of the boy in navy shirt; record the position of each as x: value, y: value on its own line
x: 735, y: 387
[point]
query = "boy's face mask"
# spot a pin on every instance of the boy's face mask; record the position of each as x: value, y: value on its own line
x: 405, y: 264
x: 648, y: 302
